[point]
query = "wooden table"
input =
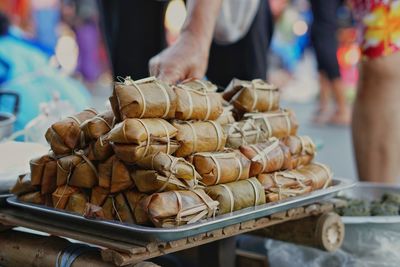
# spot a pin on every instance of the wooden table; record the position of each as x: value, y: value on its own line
x: 313, y: 225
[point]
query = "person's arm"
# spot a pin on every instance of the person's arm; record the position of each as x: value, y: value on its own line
x: 188, y: 56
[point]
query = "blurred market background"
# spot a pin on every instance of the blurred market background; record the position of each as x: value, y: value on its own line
x: 53, y: 59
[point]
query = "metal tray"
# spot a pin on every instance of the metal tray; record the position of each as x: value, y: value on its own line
x: 3, y: 198
x: 370, y: 192
x: 129, y: 232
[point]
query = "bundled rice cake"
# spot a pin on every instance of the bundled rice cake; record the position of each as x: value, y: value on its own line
x: 66, y: 135
x: 284, y: 184
x: 237, y: 195
x: 114, y: 175
x: 135, y: 139
x: 196, y: 101
x: 244, y: 132
x: 199, y: 136
x: 98, y: 125
x: 145, y: 98
x: 279, y: 123
x: 44, y: 173
x: 275, y: 155
x: 252, y: 96
x: 76, y: 170
x: 174, y: 208
x: 221, y: 167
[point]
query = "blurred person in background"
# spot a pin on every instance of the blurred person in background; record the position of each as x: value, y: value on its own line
x: 45, y: 17
x: 376, y: 116
x: 324, y: 40
x: 219, y: 39
x: 25, y: 70
x: 82, y: 17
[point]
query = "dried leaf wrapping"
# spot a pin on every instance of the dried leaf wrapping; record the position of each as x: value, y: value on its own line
x: 168, y: 165
x: 267, y: 157
x: 66, y: 135
x: 279, y: 124
x: 252, y: 96
x: 149, y: 181
x: 44, y: 173
x: 244, y: 132
x: 237, y: 195
x: 139, y: 131
x: 174, y: 208
x: 199, y: 136
x: 99, y: 125
x: 76, y: 170
x: 146, y: 98
x: 195, y: 101
x: 23, y: 185
x: 284, y: 184
x: 133, y: 153
x: 221, y: 167
x: 114, y: 175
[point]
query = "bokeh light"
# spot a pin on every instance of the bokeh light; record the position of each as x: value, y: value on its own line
x: 66, y: 53
x: 300, y: 27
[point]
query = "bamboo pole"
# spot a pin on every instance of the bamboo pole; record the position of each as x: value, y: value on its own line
x: 24, y: 249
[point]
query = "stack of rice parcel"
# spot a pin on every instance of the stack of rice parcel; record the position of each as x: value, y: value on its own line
x: 267, y: 136
x: 150, y: 140
x: 65, y: 176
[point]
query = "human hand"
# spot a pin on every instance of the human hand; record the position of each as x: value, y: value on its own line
x: 187, y: 58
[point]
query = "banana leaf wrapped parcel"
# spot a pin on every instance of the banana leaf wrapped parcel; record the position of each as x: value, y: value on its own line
x: 252, y: 96
x: 279, y: 123
x: 34, y: 197
x: 62, y: 194
x: 114, y: 175
x: 199, y: 136
x: 168, y: 165
x: 66, y: 135
x: 196, y: 102
x: 198, y: 85
x: 138, y: 131
x: 302, y: 150
x: 237, y: 195
x: 174, y: 208
x: 23, y: 185
x: 133, y: 153
x: 76, y: 170
x: 44, y: 173
x: 221, y: 167
x: 135, y: 139
x: 100, y: 149
x: 290, y: 183
x: 275, y: 155
x: 226, y: 117
x: 133, y: 199
x: 145, y: 98
x: 98, y: 125
x: 123, y: 206
x: 267, y: 157
x: 150, y: 181
x: 244, y: 132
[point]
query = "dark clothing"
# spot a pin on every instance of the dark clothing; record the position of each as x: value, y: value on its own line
x: 247, y: 58
x: 135, y: 32
x: 323, y: 36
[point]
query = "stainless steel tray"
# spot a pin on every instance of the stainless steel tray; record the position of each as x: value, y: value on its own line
x: 3, y: 198
x: 129, y: 232
x: 370, y: 192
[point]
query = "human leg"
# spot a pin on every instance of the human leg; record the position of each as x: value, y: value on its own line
x: 376, y: 120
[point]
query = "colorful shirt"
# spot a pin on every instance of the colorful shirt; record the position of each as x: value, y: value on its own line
x: 381, y: 26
